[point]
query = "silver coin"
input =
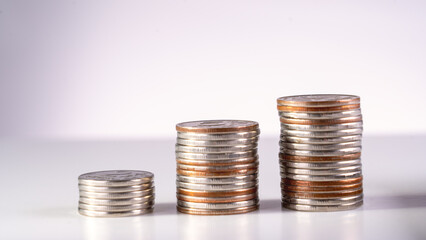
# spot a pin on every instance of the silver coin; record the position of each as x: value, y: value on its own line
x: 322, y: 201
x: 228, y: 149
x: 121, y: 208
x: 218, y: 206
x: 328, y: 208
x: 216, y: 187
x: 117, y: 202
x: 218, y: 143
x: 312, y: 153
x: 217, y: 168
x: 332, y: 171
x: 217, y: 162
x: 117, y: 195
x: 328, y: 115
x: 216, y: 156
x: 318, y: 100
x: 218, y: 136
x: 217, y: 126
x: 90, y: 213
x: 237, y: 198
x: 304, y: 140
x: 131, y: 188
x: 336, y: 177
x: 319, y: 147
x: 322, y: 165
x: 115, y: 178
x: 285, y: 192
x: 216, y: 180
x: 334, y: 127
x: 320, y: 134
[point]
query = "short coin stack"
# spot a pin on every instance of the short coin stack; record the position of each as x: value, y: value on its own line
x: 217, y: 167
x: 320, y: 150
x: 116, y: 193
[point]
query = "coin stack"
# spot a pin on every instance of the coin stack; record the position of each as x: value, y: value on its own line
x: 116, y: 193
x: 320, y: 150
x: 217, y: 166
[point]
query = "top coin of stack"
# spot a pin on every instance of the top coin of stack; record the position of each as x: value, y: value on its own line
x: 320, y: 150
x: 217, y: 166
x: 116, y: 193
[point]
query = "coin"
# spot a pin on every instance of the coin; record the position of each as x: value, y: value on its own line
x: 117, y: 202
x: 327, y: 208
x: 332, y: 171
x: 315, y: 100
x: 115, y: 178
x: 286, y: 187
x: 319, y: 109
x: 218, y: 143
x: 217, y: 212
x: 323, y: 195
x: 216, y: 156
x: 335, y: 177
x: 328, y: 115
x: 349, y: 181
x: 292, y: 139
x: 237, y: 198
x: 325, y: 165
x: 216, y: 187
x: 220, y: 206
x: 117, y: 208
x: 231, y: 162
x: 321, y: 121
x: 218, y: 168
x: 319, y: 158
x: 198, y: 193
x: 233, y: 173
x: 227, y: 149
x: 319, y: 147
x: 217, y: 126
x: 321, y: 134
x: 218, y: 136
x: 221, y: 180
x: 115, y: 189
x: 90, y: 213
x: 322, y: 201
x: 322, y: 128
x: 103, y: 195
x: 338, y: 152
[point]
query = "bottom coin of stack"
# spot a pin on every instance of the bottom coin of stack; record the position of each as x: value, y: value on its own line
x: 217, y: 165
x: 116, y: 193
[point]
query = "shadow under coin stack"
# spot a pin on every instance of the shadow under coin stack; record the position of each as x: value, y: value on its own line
x: 116, y: 193
x: 320, y: 150
x: 217, y: 167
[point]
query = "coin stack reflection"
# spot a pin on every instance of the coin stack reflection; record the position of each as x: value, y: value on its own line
x: 116, y: 193
x: 217, y: 167
x: 320, y: 150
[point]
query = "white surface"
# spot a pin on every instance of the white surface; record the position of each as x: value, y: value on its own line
x: 132, y: 69
x: 40, y: 194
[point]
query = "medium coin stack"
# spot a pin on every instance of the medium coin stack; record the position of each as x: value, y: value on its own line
x: 320, y: 150
x: 116, y: 193
x: 217, y: 167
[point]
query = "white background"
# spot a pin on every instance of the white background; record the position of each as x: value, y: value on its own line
x: 133, y: 69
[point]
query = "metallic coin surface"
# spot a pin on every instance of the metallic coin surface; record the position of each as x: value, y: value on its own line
x: 115, y: 178
x: 218, y: 136
x: 218, y: 143
x: 348, y: 181
x: 216, y: 187
x: 117, y: 202
x: 103, y: 195
x: 321, y: 121
x: 224, y: 180
x: 339, y: 152
x: 335, y: 177
x: 316, y: 100
x: 198, y: 193
x: 323, y: 195
x: 216, y: 156
x: 324, y: 165
x: 227, y: 149
x: 237, y: 198
x: 233, y: 173
x: 329, y: 115
x: 116, y: 208
x: 217, y: 126
x: 328, y: 208
x: 333, y: 171
x: 292, y: 139
x: 218, y: 168
x: 322, y: 201
x: 318, y: 159
x: 321, y: 134
x: 321, y: 128
x: 90, y: 213
x: 231, y: 162
x: 217, y: 212
x: 292, y: 188
x: 131, y: 188
x: 319, y: 109
x: 319, y: 147
x: 220, y: 206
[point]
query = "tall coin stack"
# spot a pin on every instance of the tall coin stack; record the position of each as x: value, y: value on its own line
x: 116, y: 193
x: 217, y: 167
x: 320, y: 150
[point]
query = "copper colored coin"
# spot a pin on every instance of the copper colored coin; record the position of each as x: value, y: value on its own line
x: 321, y: 121
x: 237, y: 198
x: 217, y: 162
x: 322, y: 183
x: 322, y: 195
x: 198, y: 193
x: 320, y: 189
x: 318, y: 109
x: 216, y: 174
x: 218, y: 168
x: 217, y: 212
x: 315, y: 100
x: 294, y: 158
x: 217, y: 126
